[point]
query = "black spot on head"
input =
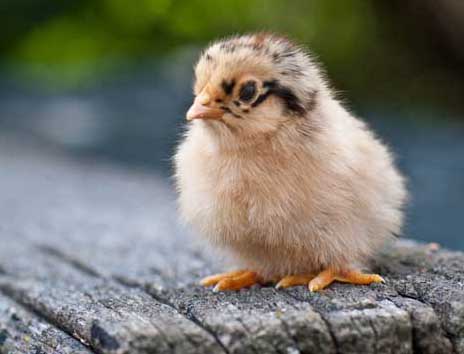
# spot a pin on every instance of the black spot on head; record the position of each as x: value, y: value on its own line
x: 292, y: 102
x: 228, y: 87
x: 208, y: 57
x: 247, y: 91
x: 103, y: 338
x: 237, y: 103
x: 218, y: 100
x: 270, y: 83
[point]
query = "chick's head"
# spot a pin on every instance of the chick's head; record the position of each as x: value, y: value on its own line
x: 254, y: 83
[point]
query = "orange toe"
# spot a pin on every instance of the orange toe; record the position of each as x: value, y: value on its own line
x: 328, y: 276
x: 294, y: 280
x: 235, y: 280
x: 214, y: 279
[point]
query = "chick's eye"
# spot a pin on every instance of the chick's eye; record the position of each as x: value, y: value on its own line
x: 247, y: 91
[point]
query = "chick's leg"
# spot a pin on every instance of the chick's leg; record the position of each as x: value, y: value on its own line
x: 231, y: 280
x: 328, y: 276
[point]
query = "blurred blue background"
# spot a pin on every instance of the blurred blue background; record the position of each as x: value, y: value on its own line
x: 111, y: 80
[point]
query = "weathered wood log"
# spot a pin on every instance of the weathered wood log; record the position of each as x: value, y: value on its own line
x: 92, y: 259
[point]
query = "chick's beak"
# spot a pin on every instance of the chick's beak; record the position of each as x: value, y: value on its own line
x: 202, y: 109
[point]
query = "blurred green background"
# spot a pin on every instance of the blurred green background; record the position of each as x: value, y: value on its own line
x: 110, y: 79
x: 407, y: 52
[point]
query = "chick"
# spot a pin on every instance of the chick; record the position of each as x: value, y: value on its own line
x: 276, y: 172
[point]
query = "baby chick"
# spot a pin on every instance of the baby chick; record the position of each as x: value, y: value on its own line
x: 274, y: 170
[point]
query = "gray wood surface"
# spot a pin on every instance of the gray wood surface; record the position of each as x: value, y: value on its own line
x: 93, y: 260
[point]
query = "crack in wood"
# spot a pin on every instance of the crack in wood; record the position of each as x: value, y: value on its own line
x: 415, y: 345
x: 290, y: 335
x: 9, y: 293
x: 247, y: 330
x: 331, y: 332
x: 324, y: 320
x: 72, y: 261
x: 191, y: 317
x: 450, y: 336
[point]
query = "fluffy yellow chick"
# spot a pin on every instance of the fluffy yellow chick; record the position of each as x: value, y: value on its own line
x: 274, y: 170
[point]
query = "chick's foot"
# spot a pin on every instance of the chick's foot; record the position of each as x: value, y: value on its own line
x: 235, y: 280
x: 328, y: 276
x: 294, y: 280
